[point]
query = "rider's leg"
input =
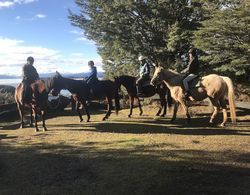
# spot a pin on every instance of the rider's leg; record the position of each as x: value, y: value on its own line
x: 185, y: 83
x: 139, y: 85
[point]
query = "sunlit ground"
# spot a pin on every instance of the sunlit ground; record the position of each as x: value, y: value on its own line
x: 138, y: 155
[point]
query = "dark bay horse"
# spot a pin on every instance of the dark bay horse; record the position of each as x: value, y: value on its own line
x: 81, y: 93
x: 149, y: 90
x: 38, y: 104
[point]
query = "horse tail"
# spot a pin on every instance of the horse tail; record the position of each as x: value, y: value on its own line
x: 117, y: 101
x: 231, y: 98
x: 169, y: 98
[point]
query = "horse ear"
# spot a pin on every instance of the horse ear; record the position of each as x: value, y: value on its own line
x: 58, y: 74
x: 159, y: 64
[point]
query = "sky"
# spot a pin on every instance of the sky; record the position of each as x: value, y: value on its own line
x: 41, y: 28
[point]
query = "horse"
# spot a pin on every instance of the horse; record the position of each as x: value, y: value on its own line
x: 129, y: 82
x: 38, y: 103
x: 81, y: 92
x: 213, y: 86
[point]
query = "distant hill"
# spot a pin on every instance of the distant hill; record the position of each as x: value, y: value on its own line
x: 46, y: 75
x: 8, y: 77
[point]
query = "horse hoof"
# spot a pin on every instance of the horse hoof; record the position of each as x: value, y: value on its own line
x: 222, y: 125
x: 81, y: 120
x: 36, y: 130
x: 45, y: 129
x: 162, y: 115
x: 87, y: 120
x: 104, y: 119
x: 141, y: 113
x: 129, y: 115
x: 21, y: 127
x: 158, y: 114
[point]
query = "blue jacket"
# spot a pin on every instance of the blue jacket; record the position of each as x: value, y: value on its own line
x: 92, y: 75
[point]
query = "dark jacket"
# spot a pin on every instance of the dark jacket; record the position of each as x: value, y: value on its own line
x: 193, y: 67
x: 92, y: 75
x: 145, y: 70
x: 30, y: 74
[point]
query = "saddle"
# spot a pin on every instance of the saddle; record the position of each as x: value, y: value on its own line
x: 146, y: 83
x: 195, y: 83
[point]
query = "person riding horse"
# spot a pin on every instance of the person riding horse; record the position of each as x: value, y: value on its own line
x: 192, y: 70
x: 92, y: 77
x: 30, y: 75
x: 144, y: 74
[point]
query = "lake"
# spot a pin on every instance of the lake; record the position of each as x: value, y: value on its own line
x: 12, y: 82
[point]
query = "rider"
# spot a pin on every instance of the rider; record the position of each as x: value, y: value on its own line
x: 92, y: 77
x: 144, y: 74
x: 191, y: 71
x: 29, y: 75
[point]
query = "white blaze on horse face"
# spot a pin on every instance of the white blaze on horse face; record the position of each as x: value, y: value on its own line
x: 157, y: 75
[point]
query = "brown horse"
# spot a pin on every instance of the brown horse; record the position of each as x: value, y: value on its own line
x: 38, y: 103
x: 213, y: 86
x: 81, y: 93
x: 129, y: 83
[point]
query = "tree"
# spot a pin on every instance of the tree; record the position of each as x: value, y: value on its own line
x: 125, y: 29
x: 224, y: 36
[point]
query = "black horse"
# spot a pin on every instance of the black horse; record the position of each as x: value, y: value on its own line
x: 81, y: 93
x: 149, y: 90
x: 38, y: 103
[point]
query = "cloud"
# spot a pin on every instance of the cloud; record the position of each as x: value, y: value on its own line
x: 40, y: 16
x: 10, y: 3
x: 13, y: 54
x: 35, y: 17
x: 81, y: 37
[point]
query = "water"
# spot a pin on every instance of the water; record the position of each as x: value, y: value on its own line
x: 12, y: 82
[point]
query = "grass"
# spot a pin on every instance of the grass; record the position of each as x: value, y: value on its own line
x: 141, y: 155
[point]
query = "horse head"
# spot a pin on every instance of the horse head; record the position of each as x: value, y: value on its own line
x: 56, y: 83
x: 118, y: 82
x: 158, y: 76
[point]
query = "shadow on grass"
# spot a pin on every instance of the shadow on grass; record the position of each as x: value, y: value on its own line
x: 99, y: 168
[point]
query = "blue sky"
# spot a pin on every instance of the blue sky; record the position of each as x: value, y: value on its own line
x: 41, y: 28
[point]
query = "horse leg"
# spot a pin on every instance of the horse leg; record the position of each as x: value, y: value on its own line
x: 176, y: 106
x: 86, y: 110
x: 139, y: 105
x: 185, y: 108
x: 43, y: 112
x: 159, y: 111
x: 224, y: 110
x: 36, y: 118
x: 31, y: 118
x: 109, y: 109
x: 164, y: 106
x: 78, y: 111
x: 20, y: 110
x: 131, y: 105
x: 216, y: 106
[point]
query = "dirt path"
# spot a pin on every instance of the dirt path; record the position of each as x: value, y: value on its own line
x: 141, y: 155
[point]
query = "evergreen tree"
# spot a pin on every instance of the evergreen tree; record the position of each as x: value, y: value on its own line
x: 224, y: 36
x: 123, y: 30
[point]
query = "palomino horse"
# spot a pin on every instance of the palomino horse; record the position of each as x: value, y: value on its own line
x: 129, y: 83
x: 81, y: 93
x: 38, y: 104
x: 213, y: 86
